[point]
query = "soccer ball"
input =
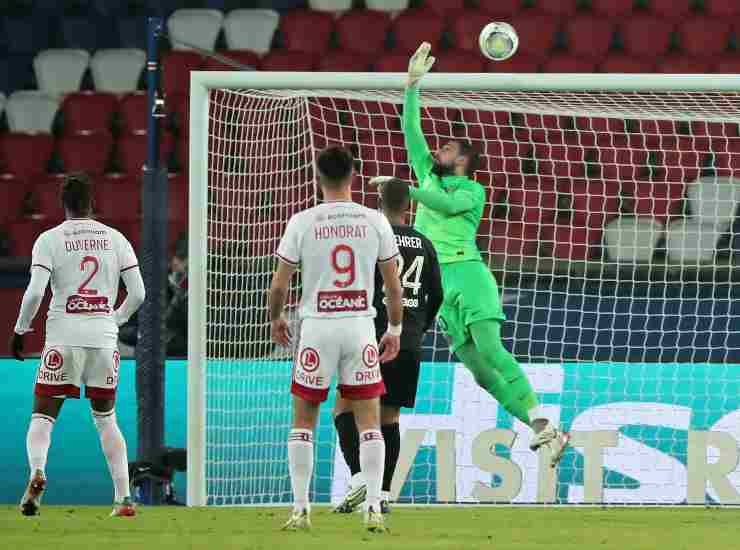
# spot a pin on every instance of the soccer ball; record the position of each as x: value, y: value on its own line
x: 498, y: 41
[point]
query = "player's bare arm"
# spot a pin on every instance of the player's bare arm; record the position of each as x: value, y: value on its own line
x: 390, y: 342
x: 278, y: 296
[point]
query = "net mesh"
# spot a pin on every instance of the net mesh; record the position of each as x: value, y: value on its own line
x: 611, y: 228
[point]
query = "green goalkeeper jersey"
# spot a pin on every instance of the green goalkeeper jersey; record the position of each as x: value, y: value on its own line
x: 449, y: 208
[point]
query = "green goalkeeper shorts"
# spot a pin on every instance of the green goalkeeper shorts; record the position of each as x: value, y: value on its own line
x: 470, y: 294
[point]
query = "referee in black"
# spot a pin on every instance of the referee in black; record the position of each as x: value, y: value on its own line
x: 422, y: 297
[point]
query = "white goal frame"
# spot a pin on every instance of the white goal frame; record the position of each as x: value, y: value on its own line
x: 202, y: 82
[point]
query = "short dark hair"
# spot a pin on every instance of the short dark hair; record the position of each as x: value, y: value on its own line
x: 335, y: 165
x: 467, y: 149
x: 77, y: 194
x: 394, y: 196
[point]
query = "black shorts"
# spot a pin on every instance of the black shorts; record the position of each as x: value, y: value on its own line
x: 401, y: 377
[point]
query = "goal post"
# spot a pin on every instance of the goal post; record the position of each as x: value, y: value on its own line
x: 611, y: 225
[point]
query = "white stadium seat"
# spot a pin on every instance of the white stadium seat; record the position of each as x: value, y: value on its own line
x: 117, y: 71
x: 692, y: 242
x: 31, y: 111
x: 387, y: 5
x: 251, y: 29
x: 336, y: 6
x: 714, y: 200
x: 631, y: 239
x: 60, y: 71
x: 196, y: 27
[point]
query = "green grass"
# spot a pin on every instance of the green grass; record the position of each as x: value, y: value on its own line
x: 169, y: 528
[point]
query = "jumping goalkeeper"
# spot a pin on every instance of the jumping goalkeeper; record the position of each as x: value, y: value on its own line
x: 448, y: 212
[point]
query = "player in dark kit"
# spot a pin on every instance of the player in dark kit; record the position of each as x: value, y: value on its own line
x: 422, y: 296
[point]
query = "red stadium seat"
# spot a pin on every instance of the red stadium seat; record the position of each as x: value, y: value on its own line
x: 134, y: 111
x: 243, y: 57
x: 612, y: 8
x: 671, y: 9
x: 624, y: 63
x: 536, y: 33
x: 444, y: 8
x: 559, y: 8
x: 646, y: 36
x: 22, y: 236
x: 118, y: 198
x: 343, y: 61
x: 722, y: 8
x: 684, y: 64
x: 283, y: 60
x: 566, y: 63
x: 568, y: 242
x: 539, y: 128
x: 86, y: 153
x: 392, y: 63
x: 131, y: 230
x: 506, y: 156
x: 601, y: 124
x: 88, y: 112
x: 565, y: 160
x: 621, y: 163
x: 306, y: 31
x: 12, y: 196
x: 376, y: 115
x: 133, y: 150
x: 176, y: 67
x: 47, y: 200
x: 658, y: 199
x: 519, y: 63
x: 514, y: 238
x: 459, y: 61
x: 725, y: 64
x: 531, y: 199
x: 412, y: 27
x: 704, y: 36
x: 589, y: 36
x: 25, y: 155
x: 501, y: 8
x: 363, y: 31
x: 466, y: 27
x: 682, y: 163
x: 486, y: 124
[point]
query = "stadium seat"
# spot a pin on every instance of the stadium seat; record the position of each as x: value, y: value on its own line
x: 671, y: 9
x: 25, y: 155
x: 12, y: 196
x: 31, y: 111
x: 117, y: 71
x: 342, y: 61
x: 282, y: 60
x: 331, y: 6
x: 117, y: 197
x: 176, y: 67
x: 621, y: 163
x: 566, y: 63
x: 501, y: 8
x: 23, y: 235
x: 88, y: 113
x: 459, y: 61
x: 519, y: 63
x: 251, y: 30
x: 46, y: 198
x: 559, y: 8
x: 684, y: 64
x: 506, y: 156
x: 722, y: 8
x: 691, y: 242
x: 85, y: 153
x: 600, y: 125
x: 131, y: 33
x: 246, y: 58
x: 612, y: 8
x: 632, y: 239
x: 194, y: 27
x: 536, y: 33
x: 87, y: 32
x: 392, y: 6
x: 704, y: 36
x: 466, y: 27
x: 661, y: 200
x: 593, y: 202
x: 625, y: 63
x: 568, y: 242
x: 392, y: 63
x: 513, y: 239
x: 444, y: 8
x: 60, y: 71
x: 726, y: 64
x: 646, y: 36
x: 486, y: 124
x: 16, y: 73
x: 363, y: 31
x: 134, y: 113
x: 134, y: 148
x: 412, y: 27
x: 293, y: 27
x: 531, y: 199
x: 560, y: 160
x: 589, y: 36
x: 25, y: 35
x: 714, y: 200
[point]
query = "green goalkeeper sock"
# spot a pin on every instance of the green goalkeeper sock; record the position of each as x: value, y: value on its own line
x: 496, y: 370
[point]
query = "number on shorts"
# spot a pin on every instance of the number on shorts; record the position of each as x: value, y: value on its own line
x: 346, y: 267
x: 88, y: 260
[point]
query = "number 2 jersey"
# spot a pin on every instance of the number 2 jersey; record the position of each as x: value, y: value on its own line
x: 421, y: 281
x: 85, y: 259
x: 337, y: 245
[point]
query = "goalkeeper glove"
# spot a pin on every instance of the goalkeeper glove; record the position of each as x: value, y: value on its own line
x: 420, y: 63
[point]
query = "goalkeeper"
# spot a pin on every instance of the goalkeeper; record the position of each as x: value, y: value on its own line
x: 448, y: 212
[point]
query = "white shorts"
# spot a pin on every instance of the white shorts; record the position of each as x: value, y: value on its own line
x: 345, y: 346
x: 64, y: 369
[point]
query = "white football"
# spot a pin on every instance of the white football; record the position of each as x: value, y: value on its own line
x: 498, y: 41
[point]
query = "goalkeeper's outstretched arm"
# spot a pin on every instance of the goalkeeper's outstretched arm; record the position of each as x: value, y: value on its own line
x: 416, y: 144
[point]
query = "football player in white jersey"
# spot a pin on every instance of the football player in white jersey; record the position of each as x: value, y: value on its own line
x: 337, y: 246
x: 84, y: 260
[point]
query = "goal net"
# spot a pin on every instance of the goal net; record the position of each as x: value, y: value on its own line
x: 611, y: 226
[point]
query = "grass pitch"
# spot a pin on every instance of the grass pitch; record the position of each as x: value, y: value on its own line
x: 170, y: 528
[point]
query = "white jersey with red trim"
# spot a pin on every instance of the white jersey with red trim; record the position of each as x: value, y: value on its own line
x: 337, y: 245
x: 85, y: 259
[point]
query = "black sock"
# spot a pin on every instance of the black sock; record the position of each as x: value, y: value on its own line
x: 349, y: 440
x: 392, y: 437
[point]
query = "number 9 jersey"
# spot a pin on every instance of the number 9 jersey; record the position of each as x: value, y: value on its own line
x: 85, y: 259
x: 337, y: 244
